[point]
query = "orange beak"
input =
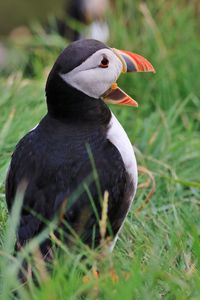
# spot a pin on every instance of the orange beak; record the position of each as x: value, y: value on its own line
x: 131, y: 62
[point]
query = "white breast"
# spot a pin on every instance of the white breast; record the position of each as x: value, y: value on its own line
x: 118, y: 137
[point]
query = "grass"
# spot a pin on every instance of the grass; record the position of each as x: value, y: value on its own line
x: 157, y: 255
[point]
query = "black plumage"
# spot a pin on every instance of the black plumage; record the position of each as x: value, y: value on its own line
x: 55, y: 160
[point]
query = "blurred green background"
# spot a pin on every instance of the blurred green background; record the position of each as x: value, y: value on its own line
x: 22, y: 12
x: 158, y: 252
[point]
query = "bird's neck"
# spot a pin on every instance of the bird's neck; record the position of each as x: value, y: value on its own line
x: 70, y: 105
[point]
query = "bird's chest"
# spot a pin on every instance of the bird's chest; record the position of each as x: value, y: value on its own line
x: 120, y: 140
x: 75, y: 149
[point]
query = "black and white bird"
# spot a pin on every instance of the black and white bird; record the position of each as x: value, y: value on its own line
x: 88, y: 13
x: 54, y: 158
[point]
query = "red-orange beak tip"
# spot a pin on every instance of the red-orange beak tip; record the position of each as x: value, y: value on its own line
x: 135, y: 62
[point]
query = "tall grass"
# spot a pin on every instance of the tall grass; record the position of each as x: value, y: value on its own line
x: 157, y: 255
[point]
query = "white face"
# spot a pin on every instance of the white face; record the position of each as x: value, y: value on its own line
x: 96, y: 74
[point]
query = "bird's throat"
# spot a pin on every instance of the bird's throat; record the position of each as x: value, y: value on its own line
x: 70, y: 105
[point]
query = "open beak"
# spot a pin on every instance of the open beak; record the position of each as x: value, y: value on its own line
x: 131, y: 62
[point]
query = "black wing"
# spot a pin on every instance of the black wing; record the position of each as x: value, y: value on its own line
x: 28, y: 164
x: 112, y: 177
x: 54, y: 170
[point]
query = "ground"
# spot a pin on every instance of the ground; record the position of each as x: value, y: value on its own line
x: 157, y: 255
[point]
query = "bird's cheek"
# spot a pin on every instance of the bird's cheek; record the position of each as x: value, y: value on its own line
x: 113, y: 74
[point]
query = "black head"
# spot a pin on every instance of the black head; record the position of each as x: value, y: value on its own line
x: 78, y: 79
x: 74, y: 55
x: 84, y: 74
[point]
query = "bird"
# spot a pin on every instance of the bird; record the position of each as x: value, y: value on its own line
x: 88, y: 13
x: 79, y: 145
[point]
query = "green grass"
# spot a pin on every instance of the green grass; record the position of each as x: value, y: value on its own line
x: 157, y: 255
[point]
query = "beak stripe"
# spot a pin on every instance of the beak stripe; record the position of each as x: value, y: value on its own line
x: 136, y: 62
x: 121, y: 58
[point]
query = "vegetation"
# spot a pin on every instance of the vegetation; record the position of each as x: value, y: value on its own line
x: 157, y: 255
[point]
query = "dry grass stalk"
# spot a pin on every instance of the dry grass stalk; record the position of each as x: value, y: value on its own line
x: 40, y: 265
x: 151, y: 180
x: 152, y: 24
x: 104, y: 217
x: 63, y: 210
x: 113, y: 275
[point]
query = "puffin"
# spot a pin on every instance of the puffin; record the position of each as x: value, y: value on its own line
x: 88, y: 13
x: 78, y: 150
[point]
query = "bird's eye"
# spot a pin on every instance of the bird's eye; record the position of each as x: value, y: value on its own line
x: 104, y: 63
